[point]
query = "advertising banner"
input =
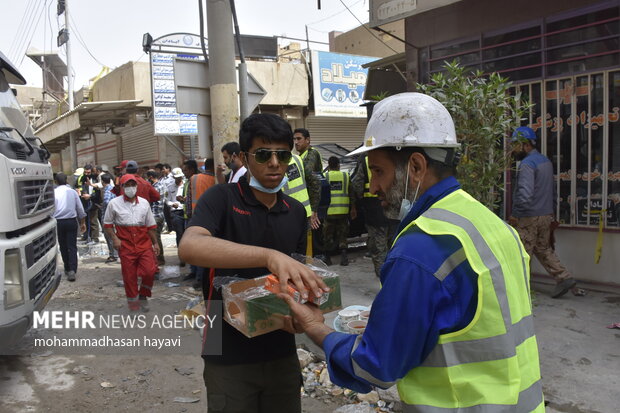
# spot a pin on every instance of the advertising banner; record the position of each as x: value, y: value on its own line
x: 339, y: 81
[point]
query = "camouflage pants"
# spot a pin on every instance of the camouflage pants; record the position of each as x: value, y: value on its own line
x: 535, y: 234
x: 378, y: 243
x: 335, y: 232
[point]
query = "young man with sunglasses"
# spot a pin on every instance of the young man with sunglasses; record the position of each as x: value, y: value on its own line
x: 249, y: 229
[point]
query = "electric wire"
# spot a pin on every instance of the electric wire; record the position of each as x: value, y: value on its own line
x: 81, y: 40
x: 20, y: 35
x: 367, y: 29
x: 333, y: 15
x: 32, y: 32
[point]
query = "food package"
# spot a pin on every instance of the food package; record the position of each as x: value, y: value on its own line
x: 254, y: 310
x: 273, y: 284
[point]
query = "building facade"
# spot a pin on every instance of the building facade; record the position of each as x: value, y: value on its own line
x: 563, y: 56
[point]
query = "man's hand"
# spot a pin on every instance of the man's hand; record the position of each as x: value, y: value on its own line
x: 116, y: 243
x: 156, y: 249
x: 180, y: 198
x: 306, y: 318
x: 287, y: 269
x: 82, y: 227
x: 85, y: 196
x: 513, y: 221
x: 353, y: 212
x: 315, y: 222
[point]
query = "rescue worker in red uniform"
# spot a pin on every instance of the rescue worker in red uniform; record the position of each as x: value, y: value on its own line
x: 130, y: 224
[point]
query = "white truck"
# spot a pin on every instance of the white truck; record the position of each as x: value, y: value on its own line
x: 28, y: 275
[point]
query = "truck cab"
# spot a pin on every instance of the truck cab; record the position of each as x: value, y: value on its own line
x: 28, y: 275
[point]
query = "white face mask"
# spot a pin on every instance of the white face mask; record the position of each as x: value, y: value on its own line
x: 405, y: 204
x: 130, y: 191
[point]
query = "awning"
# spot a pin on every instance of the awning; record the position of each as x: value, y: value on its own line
x: 386, y: 76
x: 85, y: 117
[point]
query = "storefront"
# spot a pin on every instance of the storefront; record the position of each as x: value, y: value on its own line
x: 564, y: 58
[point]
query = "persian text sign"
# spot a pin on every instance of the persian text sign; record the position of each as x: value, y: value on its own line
x: 339, y: 81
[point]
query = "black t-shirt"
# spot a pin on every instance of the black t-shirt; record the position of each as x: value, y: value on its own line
x: 231, y: 212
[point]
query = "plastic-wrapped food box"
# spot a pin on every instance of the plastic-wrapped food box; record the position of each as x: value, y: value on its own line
x: 253, y: 310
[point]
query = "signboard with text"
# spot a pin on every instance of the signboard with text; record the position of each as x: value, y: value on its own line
x: 166, y: 119
x: 386, y: 11
x: 339, y: 81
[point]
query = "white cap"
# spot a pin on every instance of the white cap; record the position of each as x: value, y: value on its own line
x: 409, y: 120
x: 177, y: 173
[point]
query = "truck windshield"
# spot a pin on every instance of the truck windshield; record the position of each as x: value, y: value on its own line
x: 11, y: 114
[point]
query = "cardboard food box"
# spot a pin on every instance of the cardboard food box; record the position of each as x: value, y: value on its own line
x: 254, y: 310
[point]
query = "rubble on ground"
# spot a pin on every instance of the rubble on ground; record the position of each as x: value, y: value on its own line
x: 317, y: 385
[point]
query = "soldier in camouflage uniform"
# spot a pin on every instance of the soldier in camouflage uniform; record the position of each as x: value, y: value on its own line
x: 313, y: 164
x: 311, y: 157
x: 380, y: 229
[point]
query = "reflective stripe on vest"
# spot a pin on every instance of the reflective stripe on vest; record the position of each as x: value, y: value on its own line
x: 367, y: 193
x: 339, y: 190
x: 492, y: 364
x: 296, y: 186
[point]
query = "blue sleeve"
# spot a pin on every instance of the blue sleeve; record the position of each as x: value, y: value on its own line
x: 410, y: 311
x: 524, y: 191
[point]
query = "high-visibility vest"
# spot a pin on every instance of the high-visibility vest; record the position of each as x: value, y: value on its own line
x: 367, y: 193
x: 339, y: 191
x: 296, y: 186
x: 199, y: 184
x: 492, y: 364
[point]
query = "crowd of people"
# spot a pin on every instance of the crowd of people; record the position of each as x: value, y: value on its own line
x: 452, y: 323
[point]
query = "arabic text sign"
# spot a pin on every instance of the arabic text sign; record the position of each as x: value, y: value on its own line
x: 339, y: 81
x: 167, y: 120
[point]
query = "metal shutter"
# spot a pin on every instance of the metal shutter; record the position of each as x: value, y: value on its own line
x: 107, y: 150
x: 347, y: 132
x: 139, y: 144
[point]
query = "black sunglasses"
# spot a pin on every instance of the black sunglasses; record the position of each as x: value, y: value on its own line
x: 264, y: 155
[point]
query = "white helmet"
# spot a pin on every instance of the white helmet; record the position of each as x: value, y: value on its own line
x: 177, y: 173
x: 410, y: 120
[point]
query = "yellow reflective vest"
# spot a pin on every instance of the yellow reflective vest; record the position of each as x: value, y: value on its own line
x: 296, y: 186
x: 339, y: 190
x: 492, y: 364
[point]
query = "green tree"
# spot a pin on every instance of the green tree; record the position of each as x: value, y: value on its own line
x: 484, y: 115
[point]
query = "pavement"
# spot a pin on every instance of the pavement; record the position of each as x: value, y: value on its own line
x: 580, y: 357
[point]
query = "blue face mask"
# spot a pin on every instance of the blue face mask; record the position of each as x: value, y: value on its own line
x: 257, y: 185
x: 405, y: 204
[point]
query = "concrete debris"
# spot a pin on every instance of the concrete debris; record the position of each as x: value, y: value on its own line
x: 107, y: 385
x: 305, y: 357
x: 318, y: 385
x: 355, y: 408
x: 184, y: 371
x: 371, y: 397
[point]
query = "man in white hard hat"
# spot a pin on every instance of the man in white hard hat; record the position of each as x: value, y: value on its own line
x: 452, y: 324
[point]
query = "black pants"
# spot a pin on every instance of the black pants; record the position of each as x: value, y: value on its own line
x: 178, y: 223
x: 67, y: 230
x: 265, y: 387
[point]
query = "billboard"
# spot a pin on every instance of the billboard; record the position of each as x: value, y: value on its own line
x: 386, y: 11
x: 339, y: 81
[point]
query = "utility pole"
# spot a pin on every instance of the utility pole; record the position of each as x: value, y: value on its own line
x: 72, y: 138
x: 223, y: 89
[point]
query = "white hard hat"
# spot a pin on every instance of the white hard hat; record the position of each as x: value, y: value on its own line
x: 177, y: 173
x: 409, y: 120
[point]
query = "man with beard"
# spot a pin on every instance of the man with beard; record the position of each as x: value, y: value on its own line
x: 452, y: 323
x: 230, y: 152
x: 533, y: 208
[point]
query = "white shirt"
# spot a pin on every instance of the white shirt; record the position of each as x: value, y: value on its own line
x: 67, y: 203
x: 234, y: 176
